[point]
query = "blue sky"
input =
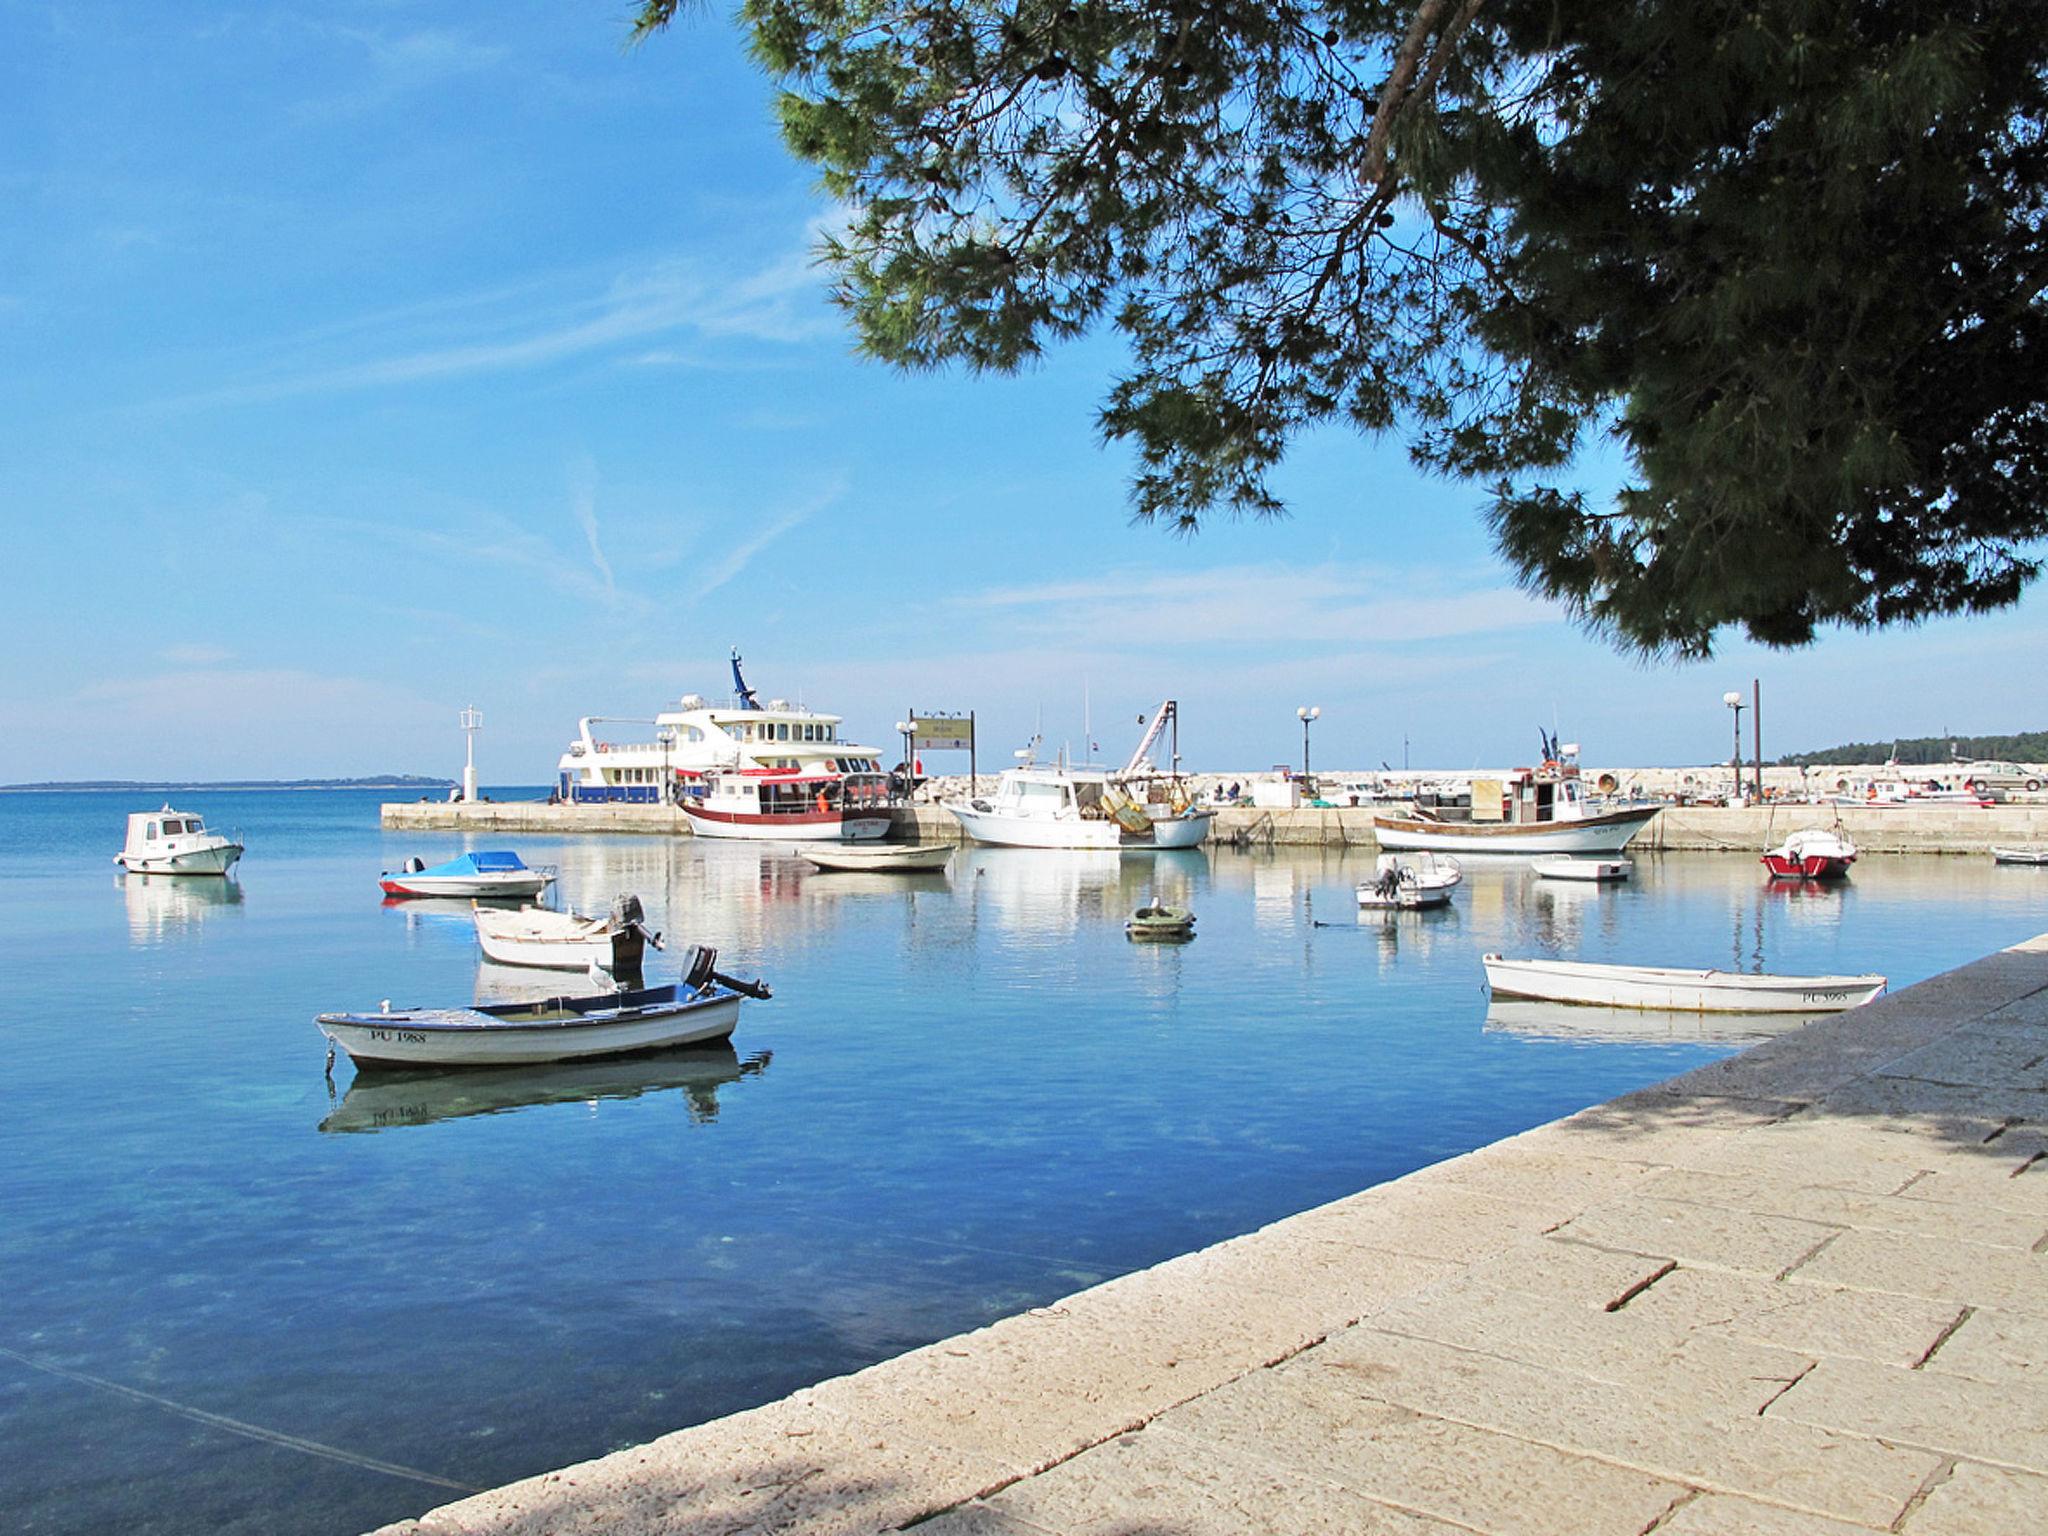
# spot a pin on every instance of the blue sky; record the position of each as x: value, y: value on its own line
x: 368, y: 359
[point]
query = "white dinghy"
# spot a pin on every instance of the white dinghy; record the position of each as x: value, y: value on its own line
x: 702, y: 1008
x: 880, y: 858
x: 1564, y: 866
x: 2029, y: 855
x: 1650, y: 986
x: 567, y: 941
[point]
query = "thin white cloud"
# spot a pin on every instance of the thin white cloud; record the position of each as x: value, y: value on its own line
x: 710, y: 578
x: 583, y: 506
x: 401, y: 64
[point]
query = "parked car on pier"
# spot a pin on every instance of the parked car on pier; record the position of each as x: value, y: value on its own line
x: 1986, y: 775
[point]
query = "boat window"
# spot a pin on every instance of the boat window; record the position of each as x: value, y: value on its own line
x: 782, y: 731
x: 149, y: 832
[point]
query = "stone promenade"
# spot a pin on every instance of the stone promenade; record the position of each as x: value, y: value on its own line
x: 1804, y: 1289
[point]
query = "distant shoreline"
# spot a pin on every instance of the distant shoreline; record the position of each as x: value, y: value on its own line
x: 200, y: 786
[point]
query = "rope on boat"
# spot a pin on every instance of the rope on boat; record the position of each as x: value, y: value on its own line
x: 237, y: 1426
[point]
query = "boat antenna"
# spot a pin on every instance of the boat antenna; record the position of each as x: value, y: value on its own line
x: 739, y: 684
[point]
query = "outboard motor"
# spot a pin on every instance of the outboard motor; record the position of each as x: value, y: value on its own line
x: 628, y: 913
x: 415, y: 864
x: 703, y: 961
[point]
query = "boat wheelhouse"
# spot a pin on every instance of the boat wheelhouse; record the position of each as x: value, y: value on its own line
x: 171, y: 842
x: 1532, y: 810
x: 717, y: 756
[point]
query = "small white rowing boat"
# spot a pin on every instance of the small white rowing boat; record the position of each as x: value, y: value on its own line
x: 1562, y: 866
x: 566, y: 941
x: 880, y: 858
x: 1650, y: 986
x: 2034, y: 855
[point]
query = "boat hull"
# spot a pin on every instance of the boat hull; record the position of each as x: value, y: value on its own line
x: 1607, y: 833
x: 463, y: 1037
x: 1813, y: 866
x: 505, y: 938
x: 489, y: 886
x: 1006, y: 831
x: 1565, y: 867
x: 882, y: 858
x: 2019, y: 855
x: 217, y: 859
x: 1640, y: 986
x: 806, y: 826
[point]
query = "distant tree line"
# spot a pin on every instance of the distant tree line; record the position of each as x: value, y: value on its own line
x: 1920, y: 751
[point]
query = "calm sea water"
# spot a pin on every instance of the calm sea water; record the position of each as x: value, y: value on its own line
x: 241, y: 1298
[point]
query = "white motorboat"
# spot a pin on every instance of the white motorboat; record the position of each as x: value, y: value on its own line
x: 169, y: 842
x: 2032, y: 855
x: 879, y: 858
x: 1412, y: 883
x: 702, y: 1008
x: 499, y: 875
x: 567, y: 941
x: 1649, y: 986
x: 1532, y: 810
x: 1062, y: 806
x: 1813, y: 853
x: 1563, y: 866
x: 742, y: 769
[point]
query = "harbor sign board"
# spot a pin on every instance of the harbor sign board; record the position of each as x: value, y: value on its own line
x: 942, y: 733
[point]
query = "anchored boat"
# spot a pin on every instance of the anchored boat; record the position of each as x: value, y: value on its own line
x: 702, y: 1008
x: 169, y: 842
x: 499, y: 874
x: 1161, y: 920
x: 567, y: 941
x: 1563, y: 866
x: 879, y: 858
x: 1812, y: 854
x: 1534, y: 810
x: 1410, y: 884
x: 1649, y: 986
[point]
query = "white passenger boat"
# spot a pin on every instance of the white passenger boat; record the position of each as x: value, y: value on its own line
x: 1648, y: 986
x: 1532, y: 810
x: 1563, y: 866
x: 169, y: 842
x: 1410, y: 884
x: 879, y: 858
x: 702, y: 1008
x: 1134, y: 808
x: 2032, y: 855
x: 500, y: 875
x: 740, y: 769
x: 567, y: 941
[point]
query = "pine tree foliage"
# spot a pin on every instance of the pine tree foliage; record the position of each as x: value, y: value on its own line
x: 1788, y: 256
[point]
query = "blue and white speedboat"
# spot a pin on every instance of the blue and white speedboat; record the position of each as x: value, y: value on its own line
x: 469, y: 874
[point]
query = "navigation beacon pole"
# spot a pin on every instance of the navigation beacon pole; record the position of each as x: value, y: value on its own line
x: 472, y: 722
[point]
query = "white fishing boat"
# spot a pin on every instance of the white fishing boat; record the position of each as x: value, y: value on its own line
x: 1134, y: 808
x: 879, y: 858
x: 498, y: 875
x: 1649, y: 986
x: 741, y: 769
x: 1410, y: 884
x: 703, y: 1008
x: 169, y: 842
x: 1532, y: 810
x: 1564, y: 866
x: 566, y: 941
x: 2031, y: 855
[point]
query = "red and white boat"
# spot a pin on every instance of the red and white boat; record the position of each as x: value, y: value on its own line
x: 741, y: 769
x: 1811, y: 854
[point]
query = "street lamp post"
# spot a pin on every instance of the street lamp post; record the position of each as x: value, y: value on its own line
x: 903, y: 729
x: 1734, y: 701
x: 1308, y: 714
x: 667, y: 737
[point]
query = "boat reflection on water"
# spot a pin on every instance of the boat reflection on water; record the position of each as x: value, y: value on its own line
x: 383, y: 1101
x: 159, y: 905
x: 1638, y: 1026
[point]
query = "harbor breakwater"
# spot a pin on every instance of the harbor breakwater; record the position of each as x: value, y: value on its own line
x: 1934, y: 829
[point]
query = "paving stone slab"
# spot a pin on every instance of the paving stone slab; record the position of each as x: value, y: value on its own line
x: 1960, y: 1105
x: 1564, y: 1269
x: 1981, y: 1501
x: 1337, y: 1283
x: 1320, y: 1424
x: 1993, y: 1053
x: 1948, y: 1414
x: 1155, y: 1481
x: 1815, y: 1320
x: 1439, y: 1220
x: 1769, y: 1196
x: 1529, y: 1174
x: 2009, y: 1347
x: 1712, y: 1373
x: 1719, y: 1514
x: 1695, y: 1234
x: 1775, y: 1461
x: 787, y: 1467
x: 1905, y: 1265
